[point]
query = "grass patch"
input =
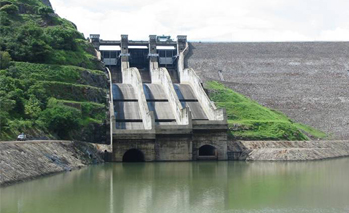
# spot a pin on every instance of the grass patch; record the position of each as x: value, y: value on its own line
x: 311, y: 131
x: 61, y: 73
x: 91, y: 112
x: 249, y: 120
x: 75, y: 92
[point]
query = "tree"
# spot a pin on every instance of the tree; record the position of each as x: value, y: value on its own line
x: 62, y: 39
x: 32, y: 107
x: 29, y: 44
x: 60, y: 119
x: 10, y: 9
x: 6, y: 105
x: 5, y: 59
x: 45, y: 11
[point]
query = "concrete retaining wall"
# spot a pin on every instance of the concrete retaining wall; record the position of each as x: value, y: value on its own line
x: 286, y: 150
x: 21, y: 161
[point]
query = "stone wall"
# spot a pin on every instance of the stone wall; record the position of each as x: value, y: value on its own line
x: 286, y: 150
x: 308, y: 81
x: 21, y: 161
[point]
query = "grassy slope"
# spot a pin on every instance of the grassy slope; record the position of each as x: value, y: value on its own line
x: 54, y: 77
x: 248, y: 120
x: 70, y: 86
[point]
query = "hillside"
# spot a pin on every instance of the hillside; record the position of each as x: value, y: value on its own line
x: 308, y: 81
x: 248, y: 120
x: 51, y: 84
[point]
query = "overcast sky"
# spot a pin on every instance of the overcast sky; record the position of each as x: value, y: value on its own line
x: 213, y: 20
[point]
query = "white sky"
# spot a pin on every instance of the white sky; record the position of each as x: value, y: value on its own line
x: 211, y: 20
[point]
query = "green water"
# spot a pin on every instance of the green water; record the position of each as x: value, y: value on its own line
x: 202, y: 187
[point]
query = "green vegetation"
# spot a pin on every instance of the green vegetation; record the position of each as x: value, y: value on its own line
x: 248, y: 120
x: 5, y: 60
x: 310, y: 131
x: 35, y: 34
x: 38, y: 99
x: 50, y: 82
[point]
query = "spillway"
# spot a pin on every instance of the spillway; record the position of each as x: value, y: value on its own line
x: 158, y: 103
x: 126, y: 107
x: 188, y: 99
x: 159, y: 108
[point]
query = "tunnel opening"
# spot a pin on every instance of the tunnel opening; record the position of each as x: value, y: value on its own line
x: 133, y: 155
x: 207, y: 150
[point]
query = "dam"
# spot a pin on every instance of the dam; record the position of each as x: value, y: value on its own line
x: 158, y: 108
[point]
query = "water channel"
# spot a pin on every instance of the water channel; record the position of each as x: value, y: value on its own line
x: 196, y: 187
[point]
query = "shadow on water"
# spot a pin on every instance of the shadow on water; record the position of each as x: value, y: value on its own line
x: 187, y: 187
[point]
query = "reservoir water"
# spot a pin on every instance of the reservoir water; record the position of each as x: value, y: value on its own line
x: 202, y: 187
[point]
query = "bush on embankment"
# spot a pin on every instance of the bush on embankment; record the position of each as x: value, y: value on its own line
x: 248, y: 120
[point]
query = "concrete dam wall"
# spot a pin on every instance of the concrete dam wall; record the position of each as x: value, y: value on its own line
x: 307, y: 81
x: 159, y: 109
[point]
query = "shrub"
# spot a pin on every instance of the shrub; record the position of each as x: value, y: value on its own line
x: 29, y: 44
x: 32, y: 107
x: 10, y: 9
x: 45, y: 11
x: 62, y: 38
x: 6, y: 105
x: 60, y: 119
x: 5, y: 21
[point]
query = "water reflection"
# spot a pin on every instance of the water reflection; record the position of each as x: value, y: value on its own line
x: 187, y: 187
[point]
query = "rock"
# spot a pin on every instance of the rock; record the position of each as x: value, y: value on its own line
x: 21, y: 161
